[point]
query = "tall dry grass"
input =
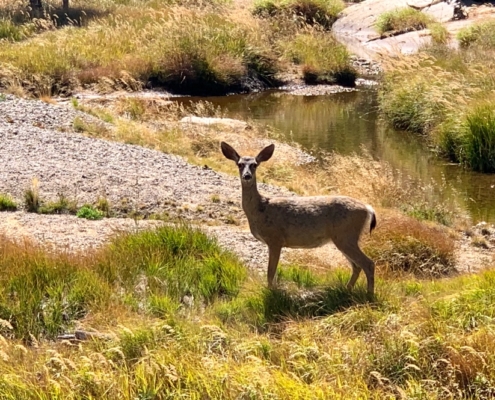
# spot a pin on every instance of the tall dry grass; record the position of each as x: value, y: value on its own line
x: 184, y: 46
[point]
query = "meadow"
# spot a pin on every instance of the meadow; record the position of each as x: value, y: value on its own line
x: 168, y: 313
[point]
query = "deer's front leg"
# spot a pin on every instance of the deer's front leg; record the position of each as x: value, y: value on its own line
x: 273, y: 257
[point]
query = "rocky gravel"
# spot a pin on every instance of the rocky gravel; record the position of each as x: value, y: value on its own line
x: 38, y: 142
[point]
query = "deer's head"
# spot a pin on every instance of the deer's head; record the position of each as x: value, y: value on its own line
x: 247, y: 165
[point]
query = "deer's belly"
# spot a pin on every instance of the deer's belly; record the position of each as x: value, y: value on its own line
x: 294, y: 240
x: 304, y: 242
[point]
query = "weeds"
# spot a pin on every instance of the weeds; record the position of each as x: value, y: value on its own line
x: 31, y: 197
x: 62, y: 206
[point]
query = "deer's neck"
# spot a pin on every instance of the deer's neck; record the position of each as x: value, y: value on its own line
x: 251, y: 199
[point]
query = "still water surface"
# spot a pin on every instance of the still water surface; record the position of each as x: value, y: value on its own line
x: 347, y: 122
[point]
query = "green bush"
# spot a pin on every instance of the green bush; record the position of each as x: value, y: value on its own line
x: 89, y: 212
x: 6, y: 203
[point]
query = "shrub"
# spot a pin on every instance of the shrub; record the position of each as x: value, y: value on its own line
x: 89, y: 212
x: 407, y: 245
x: 6, y: 203
x: 402, y: 20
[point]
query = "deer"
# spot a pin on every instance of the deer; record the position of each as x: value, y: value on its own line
x: 303, y: 221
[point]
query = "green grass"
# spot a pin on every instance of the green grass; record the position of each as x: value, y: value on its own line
x: 481, y: 34
x: 7, y: 203
x: 478, y: 149
x: 12, y: 32
x: 89, y: 212
x: 322, y: 59
x: 402, y: 20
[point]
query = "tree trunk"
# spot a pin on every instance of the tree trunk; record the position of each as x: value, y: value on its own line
x: 65, y: 4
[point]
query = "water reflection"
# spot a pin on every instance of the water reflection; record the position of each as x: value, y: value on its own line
x: 345, y: 123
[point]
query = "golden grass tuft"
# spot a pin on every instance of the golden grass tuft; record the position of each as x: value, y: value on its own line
x: 406, y: 245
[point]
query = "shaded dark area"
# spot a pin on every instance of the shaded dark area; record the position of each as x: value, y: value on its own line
x: 201, y: 82
x: 346, y: 77
x: 281, y: 303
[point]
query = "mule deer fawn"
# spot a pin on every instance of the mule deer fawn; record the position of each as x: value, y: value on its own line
x: 303, y: 222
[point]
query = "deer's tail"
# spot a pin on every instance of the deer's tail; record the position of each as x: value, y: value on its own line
x: 372, y: 215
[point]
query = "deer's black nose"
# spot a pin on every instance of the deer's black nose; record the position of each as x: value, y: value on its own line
x: 247, y: 177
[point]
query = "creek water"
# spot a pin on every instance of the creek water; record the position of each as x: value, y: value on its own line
x: 347, y: 123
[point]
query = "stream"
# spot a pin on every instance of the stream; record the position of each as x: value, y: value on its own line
x: 347, y: 123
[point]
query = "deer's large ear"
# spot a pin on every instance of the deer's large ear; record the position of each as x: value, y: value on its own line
x: 229, y: 152
x: 265, y: 154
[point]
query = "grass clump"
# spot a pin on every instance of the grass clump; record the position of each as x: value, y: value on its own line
x: 13, y: 32
x: 61, y: 206
x: 87, y: 211
x: 322, y: 59
x: 477, y: 144
x: 415, y: 105
x: 313, y: 12
x: 439, y: 33
x: 408, y: 245
x: 402, y: 20
x: 175, y: 262
x: 7, y: 203
x: 480, y: 34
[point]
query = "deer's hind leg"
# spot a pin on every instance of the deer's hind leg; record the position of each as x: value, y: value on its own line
x: 359, y: 261
x: 355, y: 274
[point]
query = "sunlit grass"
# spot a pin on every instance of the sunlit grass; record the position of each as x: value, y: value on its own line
x: 402, y: 20
x: 448, y: 97
x: 322, y: 59
x: 415, y: 336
